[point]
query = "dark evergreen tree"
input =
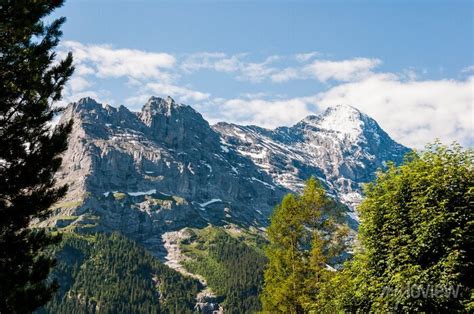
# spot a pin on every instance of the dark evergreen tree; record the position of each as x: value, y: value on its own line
x: 31, y: 81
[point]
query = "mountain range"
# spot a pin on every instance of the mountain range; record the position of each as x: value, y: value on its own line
x: 196, y: 196
x: 165, y: 168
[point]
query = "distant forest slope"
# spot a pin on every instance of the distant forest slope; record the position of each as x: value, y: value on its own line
x: 232, y: 264
x: 107, y: 273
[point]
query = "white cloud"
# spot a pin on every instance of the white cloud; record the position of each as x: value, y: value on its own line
x: 325, y: 70
x: 78, y: 83
x: 468, y: 69
x: 257, y: 72
x: 147, y: 73
x: 345, y: 70
x: 230, y: 64
x: 254, y: 72
x: 181, y: 93
x: 264, y: 113
x: 136, y: 102
x: 105, y: 61
x: 304, y: 57
x: 412, y: 112
x: 410, y: 74
x: 83, y: 70
x: 217, y: 61
x: 287, y: 74
x: 255, y: 95
x: 201, y: 60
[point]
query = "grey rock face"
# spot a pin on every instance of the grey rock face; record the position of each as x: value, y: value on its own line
x: 165, y: 168
x: 342, y: 147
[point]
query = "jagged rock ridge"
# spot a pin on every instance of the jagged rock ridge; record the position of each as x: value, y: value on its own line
x: 165, y: 168
x: 342, y: 147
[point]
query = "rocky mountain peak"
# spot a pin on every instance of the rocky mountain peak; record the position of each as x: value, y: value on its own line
x: 345, y: 120
x: 175, y: 124
x: 157, y: 105
x: 87, y: 103
x: 166, y: 109
x: 342, y: 147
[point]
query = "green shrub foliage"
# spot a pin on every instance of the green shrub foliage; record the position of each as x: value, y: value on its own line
x: 416, y: 237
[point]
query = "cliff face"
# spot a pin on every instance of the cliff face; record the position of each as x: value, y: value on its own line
x: 342, y: 147
x: 165, y: 168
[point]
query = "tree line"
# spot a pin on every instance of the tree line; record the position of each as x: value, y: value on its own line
x: 232, y: 268
x: 413, y: 253
x: 108, y: 273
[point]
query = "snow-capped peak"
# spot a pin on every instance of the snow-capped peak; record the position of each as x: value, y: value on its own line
x: 346, y: 120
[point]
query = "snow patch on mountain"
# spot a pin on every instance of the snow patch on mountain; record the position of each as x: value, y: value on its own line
x: 214, y: 200
x: 343, y: 119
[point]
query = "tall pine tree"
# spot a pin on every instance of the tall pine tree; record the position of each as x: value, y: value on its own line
x: 31, y: 81
x: 284, y: 275
x: 304, y: 234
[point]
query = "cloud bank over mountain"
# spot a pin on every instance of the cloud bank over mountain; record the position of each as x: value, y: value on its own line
x: 414, y: 108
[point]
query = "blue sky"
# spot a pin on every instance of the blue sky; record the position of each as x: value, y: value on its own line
x: 408, y: 64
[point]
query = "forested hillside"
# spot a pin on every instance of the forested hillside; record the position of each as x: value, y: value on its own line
x: 108, y: 273
x: 231, y: 263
